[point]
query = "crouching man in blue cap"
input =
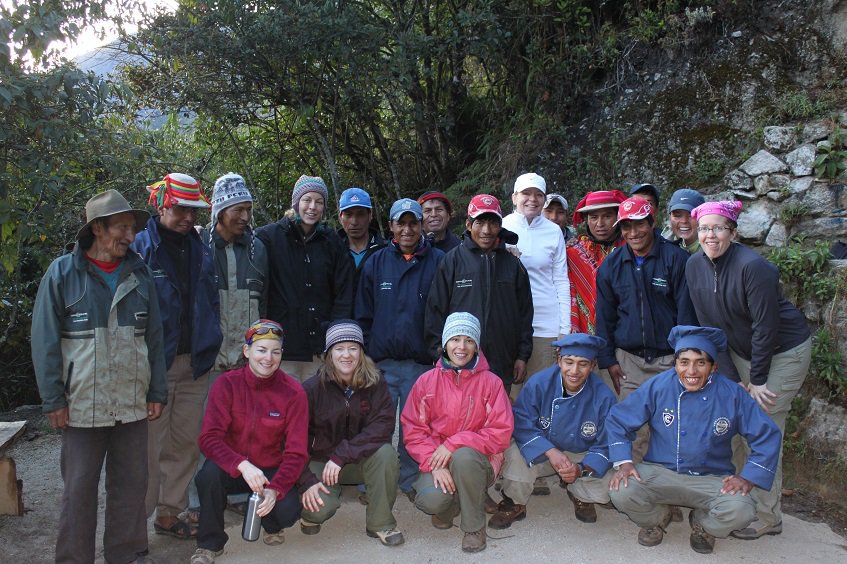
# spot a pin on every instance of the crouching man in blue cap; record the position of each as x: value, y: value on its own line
x: 693, y: 412
x: 559, y: 418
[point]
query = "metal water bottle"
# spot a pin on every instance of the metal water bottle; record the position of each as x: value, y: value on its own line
x: 252, y: 522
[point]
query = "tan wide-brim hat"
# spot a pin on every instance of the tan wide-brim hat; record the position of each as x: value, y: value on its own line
x: 108, y: 203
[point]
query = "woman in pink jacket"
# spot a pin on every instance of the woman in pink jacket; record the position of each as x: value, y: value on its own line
x: 456, y: 424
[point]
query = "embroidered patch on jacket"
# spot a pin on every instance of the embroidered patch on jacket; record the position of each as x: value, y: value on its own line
x: 721, y: 426
x: 588, y: 429
x: 667, y: 417
x: 79, y: 317
x: 464, y: 283
x: 660, y: 283
x: 385, y: 286
x: 544, y: 422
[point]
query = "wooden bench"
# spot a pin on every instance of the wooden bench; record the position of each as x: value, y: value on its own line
x: 11, y: 502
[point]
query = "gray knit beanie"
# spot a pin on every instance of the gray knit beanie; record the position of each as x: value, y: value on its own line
x: 461, y: 323
x: 307, y: 184
x: 343, y: 330
x: 230, y: 189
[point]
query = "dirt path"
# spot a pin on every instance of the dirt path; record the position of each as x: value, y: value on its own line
x: 550, y: 529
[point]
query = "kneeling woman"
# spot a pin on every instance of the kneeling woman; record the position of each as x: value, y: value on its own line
x: 254, y: 439
x: 351, y: 421
x: 456, y: 423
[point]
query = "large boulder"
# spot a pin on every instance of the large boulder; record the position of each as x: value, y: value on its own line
x: 777, y: 236
x: 763, y: 163
x: 801, y: 160
x: 780, y: 138
x: 800, y: 185
x: 815, y: 131
x: 771, y: 182
x: 755, y: 221
x: 825, y: 228
x: 738, y: 181
x: 827, y: 424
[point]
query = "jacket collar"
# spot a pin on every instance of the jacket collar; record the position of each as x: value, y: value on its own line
x: 506, y: 237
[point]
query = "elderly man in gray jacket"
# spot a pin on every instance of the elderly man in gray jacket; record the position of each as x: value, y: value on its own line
x: 99, y: 360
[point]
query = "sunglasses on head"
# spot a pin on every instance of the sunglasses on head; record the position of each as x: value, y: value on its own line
x: 262, y: 329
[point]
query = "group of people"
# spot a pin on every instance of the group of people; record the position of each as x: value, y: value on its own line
x: 205, y: 362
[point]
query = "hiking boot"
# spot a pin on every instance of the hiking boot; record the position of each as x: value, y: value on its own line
x: 490, y: 505
x: 700, y: 540
x: 757, y: 529
x: 583, y: 511
x: 676, y: 514
x: 388, y: 537
x: 507, y: 513
x: 205, y: 556
x: 474, y: 542
x: 652, y: 536
x: 309, y: 528
x: 540, y: 487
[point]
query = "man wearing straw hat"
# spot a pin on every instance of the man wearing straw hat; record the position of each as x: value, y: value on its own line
x: 184, y: 274
x: 99, y: 360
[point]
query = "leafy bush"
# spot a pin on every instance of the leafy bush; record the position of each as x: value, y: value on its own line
x: 830, y: 162
x: 803, y: 271
x: 828, y: 363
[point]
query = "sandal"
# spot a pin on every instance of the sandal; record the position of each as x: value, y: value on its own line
x: 179, y: 530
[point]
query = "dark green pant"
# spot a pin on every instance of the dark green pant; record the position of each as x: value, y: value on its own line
x: 472, y: 473
x: 379, y: 472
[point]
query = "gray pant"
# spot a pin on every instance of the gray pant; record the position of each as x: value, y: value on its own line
x: 379, y: 472
x: 645, y: 502
x: 637, y: 370
x: 787, y: 374
x: 519, y: 478
x: 124, y: 447
x: 543, y: 356
x: 472, y: 474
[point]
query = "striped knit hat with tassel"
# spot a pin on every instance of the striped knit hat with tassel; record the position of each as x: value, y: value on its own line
x: 177, y: 189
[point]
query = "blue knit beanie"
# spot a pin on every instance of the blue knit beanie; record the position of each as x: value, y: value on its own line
x: 461, y: 323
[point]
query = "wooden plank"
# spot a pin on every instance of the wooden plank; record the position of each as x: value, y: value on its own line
x: 11, y: 501
x: 9, y: 431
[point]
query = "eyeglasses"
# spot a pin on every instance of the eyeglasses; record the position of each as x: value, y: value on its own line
x: 717, y: 229
x: 262, y: 329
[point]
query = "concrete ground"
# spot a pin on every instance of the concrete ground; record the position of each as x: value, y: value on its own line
x: 550, y: 531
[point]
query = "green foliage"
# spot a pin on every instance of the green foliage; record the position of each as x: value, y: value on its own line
x: 828, y: 364
x: 797, y: 105
x: 707, y: 169
x: 831, y: 161
x: 803, y: 271
x: 791, y: 214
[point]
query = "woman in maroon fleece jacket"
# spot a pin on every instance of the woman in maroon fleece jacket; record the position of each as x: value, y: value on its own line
x: 351, y: 421
x: 254, y: 438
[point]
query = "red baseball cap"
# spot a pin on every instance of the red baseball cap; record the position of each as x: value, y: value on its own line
x: 634, y: 208
x: 484, y: 203
x: 595, y: 201
x: 432, y: 195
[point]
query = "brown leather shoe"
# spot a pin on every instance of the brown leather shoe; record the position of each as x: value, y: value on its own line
x: 700, y: 541
x: 507, y: 513
x: 474, y: 542
x: 583, y: 511
x: 490, y: 505
x: 651, y: 536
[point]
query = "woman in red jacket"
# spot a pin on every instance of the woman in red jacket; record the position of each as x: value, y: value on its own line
x: 351, y: 421
x: 456, y: 424
x: 254, y: 439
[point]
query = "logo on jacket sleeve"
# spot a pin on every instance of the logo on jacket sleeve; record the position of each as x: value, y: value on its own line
x: 721, y: 426
x: 544, y: 422
x: 588, y: 430
x: 667, y: 417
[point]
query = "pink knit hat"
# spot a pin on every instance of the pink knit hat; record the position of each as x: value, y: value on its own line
x: 726, y: 208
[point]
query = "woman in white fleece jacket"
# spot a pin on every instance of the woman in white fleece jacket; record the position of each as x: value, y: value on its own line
x: 542, y: 252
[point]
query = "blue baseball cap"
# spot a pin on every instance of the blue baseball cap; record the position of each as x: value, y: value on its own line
x: 710, y: 340
x: 580, y: 344
x: 405, y: 205
x: 685, y: 199
x: 645, y: 187
x: 354, y: 198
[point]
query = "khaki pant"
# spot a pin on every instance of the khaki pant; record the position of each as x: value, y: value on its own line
x: 645, y: 502
x: 787, y: 374
x: 543, y: 356
x: 172, y: 449
x: 519, y: 478
x: 472, y: 474
x: 301, y: 370
x: 636, y: 371
x: 379, y: 472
